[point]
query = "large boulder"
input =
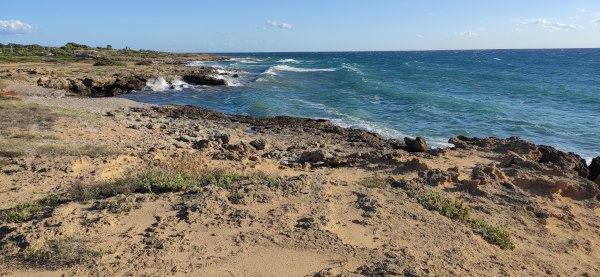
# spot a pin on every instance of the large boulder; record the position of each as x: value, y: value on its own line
x: 202, y: 79
x: 594, y: 170
x: 415, y: 145
x: 315, y: 156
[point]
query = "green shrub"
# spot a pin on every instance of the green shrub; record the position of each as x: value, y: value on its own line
x: 494, y: 234
x: 107, y: 62
x: 25, y: 211
x: 160, y: 181
x: 446, y: 206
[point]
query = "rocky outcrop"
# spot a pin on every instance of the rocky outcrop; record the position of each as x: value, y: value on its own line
x: 564, y: 160
x: 415, y: 145
x: 95, y: 86
x: 203, y: 79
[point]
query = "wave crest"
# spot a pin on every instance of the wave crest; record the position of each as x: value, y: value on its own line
x: 160, y: 84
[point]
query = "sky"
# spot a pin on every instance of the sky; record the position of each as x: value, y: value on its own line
x: 308, y: 25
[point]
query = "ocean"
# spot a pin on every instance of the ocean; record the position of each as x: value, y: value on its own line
x: 549, y: 97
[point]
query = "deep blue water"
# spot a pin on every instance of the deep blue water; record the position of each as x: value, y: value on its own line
x: 549, y: 97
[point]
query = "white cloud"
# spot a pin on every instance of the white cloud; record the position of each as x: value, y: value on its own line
x: 597, y: 21
x: 550, y: 25
x: 518, y: 29
x: 582, y: 10
x: 281, y: 25
x: 420, y: 36
x: 467, y: 34
x: 14, y: 27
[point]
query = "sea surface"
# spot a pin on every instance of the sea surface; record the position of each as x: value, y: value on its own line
x: 549, y: 97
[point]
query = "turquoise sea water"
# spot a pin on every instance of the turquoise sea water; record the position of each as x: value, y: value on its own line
x: 549, y: 97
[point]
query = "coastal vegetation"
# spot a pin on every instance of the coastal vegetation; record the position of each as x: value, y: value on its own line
x: 73, y: 52
x: 458, y: 209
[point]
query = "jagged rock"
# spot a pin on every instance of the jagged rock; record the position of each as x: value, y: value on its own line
x: 314, y: 156
x: 485, y: 174
x: 594, y: 170
x: 259, y: 144
x: 564, y: 160
x: 415, y: 145
x: 202, y: 79
x: 437, y: 177
x: 415, y: 164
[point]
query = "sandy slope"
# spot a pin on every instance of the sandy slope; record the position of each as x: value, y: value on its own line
x: 351, y: 211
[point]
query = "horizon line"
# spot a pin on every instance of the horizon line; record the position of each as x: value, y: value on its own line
x: 424, y: 50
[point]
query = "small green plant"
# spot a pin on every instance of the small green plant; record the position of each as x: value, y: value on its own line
x: 107, y: 62
x: 25, y: 211
x: 455, y: 209
x: 446, y: 206
x: 61, y: 252
x: 160, y: 181
x: 494, y: 234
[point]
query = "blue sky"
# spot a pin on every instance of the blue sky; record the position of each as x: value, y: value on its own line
x: 309, y: 25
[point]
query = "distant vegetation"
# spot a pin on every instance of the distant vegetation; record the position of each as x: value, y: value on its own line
x: 73, y: 52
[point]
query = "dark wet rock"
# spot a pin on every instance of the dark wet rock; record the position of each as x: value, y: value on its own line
x: 259, y: 144
x: 192, y: 112
x: 415, y: 145
x: 594, y: 170
x: 203, y: 79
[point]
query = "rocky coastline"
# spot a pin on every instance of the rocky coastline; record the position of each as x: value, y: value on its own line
x: 138, y: 189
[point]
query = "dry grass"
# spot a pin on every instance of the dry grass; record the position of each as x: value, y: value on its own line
x: 62, y: 252
x: 12, y: 147
x: 375, y: 181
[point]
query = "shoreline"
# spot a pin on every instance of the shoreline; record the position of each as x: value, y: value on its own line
x: 132, y: 188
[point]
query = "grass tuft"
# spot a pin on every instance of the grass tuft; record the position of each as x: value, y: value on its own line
x: 375, y: 181
x: 61, y: 252
x: 455, y: 209
x: 445, y: 205
x: 26, y: 211
x: 494, y: 234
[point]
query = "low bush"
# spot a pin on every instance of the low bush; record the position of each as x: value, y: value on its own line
x: 455, y: 209
x: 25, y: 211
x: 107, y: 62
x: 494, y: 234
x: 446, y: 206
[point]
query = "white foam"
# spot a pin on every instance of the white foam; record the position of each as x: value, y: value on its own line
x: 297, y: 69
x: 246, y: 60
x: 353, y: 68
x: 287, y: 61
x: 229, y: 81
x: 160, y: 84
